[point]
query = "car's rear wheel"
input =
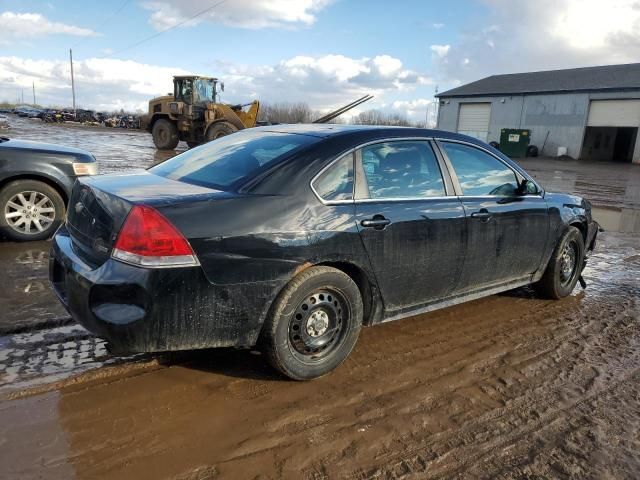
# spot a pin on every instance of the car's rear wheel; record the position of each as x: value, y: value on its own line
x: 31, y: 210
x: 165, y: 134
x: 564, y: 268
x: 314, y: 323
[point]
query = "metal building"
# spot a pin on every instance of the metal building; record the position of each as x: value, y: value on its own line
x: 593, y: 112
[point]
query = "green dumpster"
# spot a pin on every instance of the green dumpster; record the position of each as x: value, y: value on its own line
x: 514, y: 142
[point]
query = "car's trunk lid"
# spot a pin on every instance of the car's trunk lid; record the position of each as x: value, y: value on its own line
x: 99, y: 206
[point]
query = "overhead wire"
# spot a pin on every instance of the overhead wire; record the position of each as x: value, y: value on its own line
x: 157, y: 34
x: 107, y: 20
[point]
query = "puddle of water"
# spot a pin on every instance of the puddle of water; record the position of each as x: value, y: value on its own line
x: 25, y: 292
x: 624, y: 220
x: 116, y: 149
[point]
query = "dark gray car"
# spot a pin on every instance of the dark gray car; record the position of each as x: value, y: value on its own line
x: 35, y: 184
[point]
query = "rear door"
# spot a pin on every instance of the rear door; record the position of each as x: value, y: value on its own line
x: 507, y: 231
x: 410, y: 221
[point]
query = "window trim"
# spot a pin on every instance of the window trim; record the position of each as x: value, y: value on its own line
x: 351, y: 152
x: 520, y: 174
x: 451, y: 182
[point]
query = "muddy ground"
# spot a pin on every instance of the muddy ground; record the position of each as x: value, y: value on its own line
x: 508, y: 386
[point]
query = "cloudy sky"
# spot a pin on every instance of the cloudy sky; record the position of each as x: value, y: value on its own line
x: 323, y: 52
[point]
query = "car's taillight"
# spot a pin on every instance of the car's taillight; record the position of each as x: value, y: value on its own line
x: 148, y: 239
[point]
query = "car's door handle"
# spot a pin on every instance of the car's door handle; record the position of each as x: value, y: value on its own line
x: 483, y: 215
x: 378, y: 222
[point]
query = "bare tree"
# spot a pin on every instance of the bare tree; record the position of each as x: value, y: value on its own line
x: 285, y: 113
x: 376, y: 117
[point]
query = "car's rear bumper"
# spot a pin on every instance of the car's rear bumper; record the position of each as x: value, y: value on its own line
x: 148, y: 309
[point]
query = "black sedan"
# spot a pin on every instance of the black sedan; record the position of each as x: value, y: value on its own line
x: 293, y: 237
x: 36, y: 180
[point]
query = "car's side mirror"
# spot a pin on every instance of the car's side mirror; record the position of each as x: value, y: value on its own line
x: 527, y: 187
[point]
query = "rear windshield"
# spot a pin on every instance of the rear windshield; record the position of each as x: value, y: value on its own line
x: 232, y: 159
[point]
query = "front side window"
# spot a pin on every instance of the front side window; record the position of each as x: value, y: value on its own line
x: 232, y: 159
x: 336, y: 182
x: 402, y: 169
x: 479, y: 173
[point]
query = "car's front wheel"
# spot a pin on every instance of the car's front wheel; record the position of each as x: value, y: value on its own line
x: 564, y: 268
x: 31, y: 210
x: 314, y: 323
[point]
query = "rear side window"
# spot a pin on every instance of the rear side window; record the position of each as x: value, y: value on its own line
x: 402, y: 169
x: 480, y: 173
x: 336, y: 182
x: 232, y: 159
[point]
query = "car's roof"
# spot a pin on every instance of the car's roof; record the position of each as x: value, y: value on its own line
x: 328, y: 130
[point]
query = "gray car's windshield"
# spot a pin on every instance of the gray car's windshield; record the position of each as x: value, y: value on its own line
x: 232, y: 159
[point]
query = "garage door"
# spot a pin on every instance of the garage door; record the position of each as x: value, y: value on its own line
x: 614, y: 113
x: 473, y: 120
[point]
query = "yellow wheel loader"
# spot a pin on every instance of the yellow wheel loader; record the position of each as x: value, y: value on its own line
x: 194, y: 115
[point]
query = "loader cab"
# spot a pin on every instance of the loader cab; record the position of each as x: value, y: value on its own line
x: 197, y: 91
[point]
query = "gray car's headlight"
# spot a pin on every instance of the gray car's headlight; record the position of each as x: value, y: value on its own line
x: 89, y: 168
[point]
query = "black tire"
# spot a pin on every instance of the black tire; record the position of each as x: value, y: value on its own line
x: 532, y: 151
x: 220, y: 129
x: 292, y: 326
x: 38, y: 197
x: 165, y: 134
x: 557, y: 282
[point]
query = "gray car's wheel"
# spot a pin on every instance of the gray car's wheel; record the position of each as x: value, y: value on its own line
x: 314, y: 323
x: 165, y: 134
x: 31, y: 210
x: 564, y: 268
x: 220, y: 129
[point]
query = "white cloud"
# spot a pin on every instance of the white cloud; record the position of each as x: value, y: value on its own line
x: 437, y: 26
x: 440, y: 51
x: 107, y: 83
x: 322, y: 81
x: 547, y: 34
x: 101, y: 83
x: 29, y: 25
x: 237, y: 13
x: 421, y: 109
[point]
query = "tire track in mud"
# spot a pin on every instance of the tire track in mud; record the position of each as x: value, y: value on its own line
x: 605, y: 359
x: 505, y: 387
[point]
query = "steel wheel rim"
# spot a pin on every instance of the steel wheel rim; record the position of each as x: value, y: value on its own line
x: 30, y: 212
x: 568, y: 262
x: 318, y: 325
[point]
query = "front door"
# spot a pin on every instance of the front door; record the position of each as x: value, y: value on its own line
x: 507, y: 230
x: 412, y: 227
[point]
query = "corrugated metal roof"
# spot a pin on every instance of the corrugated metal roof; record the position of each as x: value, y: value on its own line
x: 608, y: 77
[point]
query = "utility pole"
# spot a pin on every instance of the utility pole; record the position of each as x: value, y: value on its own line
x: 73, y: 85
x: 437, y: 106
x: 34, y: 92
x: 22, y: 93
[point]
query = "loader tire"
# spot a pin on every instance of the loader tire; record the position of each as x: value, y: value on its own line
x: 220, y: 129
x: 165, y: 134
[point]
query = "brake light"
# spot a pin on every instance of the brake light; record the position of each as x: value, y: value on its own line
x: 148, y: 239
